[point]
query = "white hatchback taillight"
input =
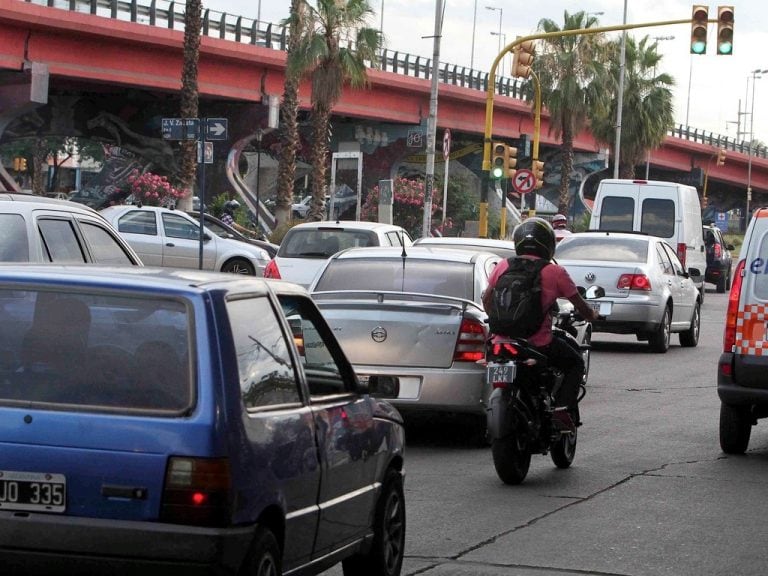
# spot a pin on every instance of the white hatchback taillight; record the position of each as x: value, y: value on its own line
x: 271, y: 270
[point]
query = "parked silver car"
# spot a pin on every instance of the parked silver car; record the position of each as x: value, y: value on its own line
x: 652, y: 294
x: 171, y: 238
x: 415, y: 316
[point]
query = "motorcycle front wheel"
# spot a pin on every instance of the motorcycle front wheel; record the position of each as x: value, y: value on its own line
x: 511, y: 458
x: 563, y: 450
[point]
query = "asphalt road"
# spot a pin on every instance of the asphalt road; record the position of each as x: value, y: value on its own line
x: 649, y: 493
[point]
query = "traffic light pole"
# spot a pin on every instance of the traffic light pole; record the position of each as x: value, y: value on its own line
x: 487, y: 137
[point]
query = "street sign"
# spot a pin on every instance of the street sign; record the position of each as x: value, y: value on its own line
x: 206, y: 157
x: 447, y: 143
x: 216, y: 129
x: 180, y: 128
x: 524, y: 181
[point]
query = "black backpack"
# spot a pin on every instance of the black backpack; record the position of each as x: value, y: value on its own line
x: 516, y: 299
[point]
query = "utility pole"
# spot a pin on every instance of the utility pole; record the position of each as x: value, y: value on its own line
x: 432, y: 121
x: 620, y: 100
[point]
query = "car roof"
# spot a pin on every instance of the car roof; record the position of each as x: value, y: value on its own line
x: 466, y: 241
x: 440, y: 253
x: 36, y: 201
x: 348, y: 224
x: 608, y: 234
x: 162, y: 279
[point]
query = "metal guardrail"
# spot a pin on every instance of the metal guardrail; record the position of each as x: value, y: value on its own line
x: 170, y: 14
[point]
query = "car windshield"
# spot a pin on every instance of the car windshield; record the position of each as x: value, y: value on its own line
x: 323, y: 242
x: 94, y: 351
x: 439, y: 277
x: 603, y: 248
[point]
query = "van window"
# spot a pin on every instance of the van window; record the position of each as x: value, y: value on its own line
x: 658, y: 217
x: 617, y: 214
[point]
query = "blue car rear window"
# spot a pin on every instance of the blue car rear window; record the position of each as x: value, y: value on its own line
x: 95, y: 351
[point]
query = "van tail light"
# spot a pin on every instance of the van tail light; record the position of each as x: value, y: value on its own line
x: 196, y: 492
x: 470, y: 345
x: 732, y: 310
x: 718, y: 252
x: 682, y: 251
x: 634, y: 282
x: 271, y: 271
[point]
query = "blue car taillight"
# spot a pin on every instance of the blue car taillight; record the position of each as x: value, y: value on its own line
x: 197, y: 492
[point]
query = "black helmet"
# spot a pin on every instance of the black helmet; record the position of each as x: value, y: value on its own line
x: 231, y: 205
x: 535, y: 236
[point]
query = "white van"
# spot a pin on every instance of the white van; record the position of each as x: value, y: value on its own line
x: 741, y: 372
x: 665, y: 209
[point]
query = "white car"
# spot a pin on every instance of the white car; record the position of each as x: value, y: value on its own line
x: 40, y: 229
x: 171, y: 238
x: 301, y: 209
x: 307, y: 246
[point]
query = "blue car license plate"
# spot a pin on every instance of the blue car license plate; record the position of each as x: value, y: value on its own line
x: 32, y: 491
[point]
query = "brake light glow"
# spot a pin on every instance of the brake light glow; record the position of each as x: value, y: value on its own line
x: 196, y: 492
x: 731, y: 311
x: 718, y: 251
x: 634, y: 282
x: 470, y: 345
x: 271, y: 271
x: 682, y: 252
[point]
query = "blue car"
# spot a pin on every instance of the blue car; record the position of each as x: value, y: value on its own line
x: 186, y: 420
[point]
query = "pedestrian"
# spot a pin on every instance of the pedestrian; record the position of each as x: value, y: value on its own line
x: 560, y: 225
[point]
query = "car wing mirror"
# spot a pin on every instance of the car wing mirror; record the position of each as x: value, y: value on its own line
x: 730, y: 247
x: 379, y: 386
x: 694, y: 272
x: 594, y: 292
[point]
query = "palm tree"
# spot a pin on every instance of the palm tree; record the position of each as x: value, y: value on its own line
x: 289, y: 127
x: 571, y: 72
x: 189, y: 89
x: 647, y: 113
x: 322, y: 53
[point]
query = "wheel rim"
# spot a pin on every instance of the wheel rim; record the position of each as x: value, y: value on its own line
x: 666, y: 328
x: 586, y: 354
x: 267, y: 566
x: 696, y: 323
x: 393, y: 531
x: 238, y: 267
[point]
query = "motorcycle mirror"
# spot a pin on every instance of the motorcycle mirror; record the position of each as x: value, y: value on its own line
x: 582, y: 291
x: 595, y: 292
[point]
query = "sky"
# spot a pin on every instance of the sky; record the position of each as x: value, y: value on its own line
x: 720, y: 87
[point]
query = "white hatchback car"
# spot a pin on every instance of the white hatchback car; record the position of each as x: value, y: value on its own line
x: 171, y: 238
x: 41, y: 229
x: 307, y: 246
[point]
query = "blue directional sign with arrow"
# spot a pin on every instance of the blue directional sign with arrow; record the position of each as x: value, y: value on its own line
x: 216, y: 129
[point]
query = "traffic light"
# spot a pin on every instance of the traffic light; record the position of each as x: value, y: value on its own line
x: 704, y: 202
x: 699, y: 29
x: 20, y: 164
x: 725, y: 30
x: 511, y: 161
x: 23, y: 164
x: 720, y: 157
x: 537, y: 167
x: 522, y: 59
x: 500, y: 160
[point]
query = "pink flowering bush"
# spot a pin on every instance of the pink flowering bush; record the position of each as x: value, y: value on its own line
x: 150, y: 189
x: 408, y: 206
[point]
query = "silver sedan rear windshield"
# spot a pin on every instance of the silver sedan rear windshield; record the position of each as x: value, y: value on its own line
x: 439, y: 277
x: 95, y: 352
x: 605, y: 249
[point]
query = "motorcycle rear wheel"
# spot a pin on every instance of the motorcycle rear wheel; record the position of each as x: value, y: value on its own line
x: 511, y: 459
x: 563, y: 450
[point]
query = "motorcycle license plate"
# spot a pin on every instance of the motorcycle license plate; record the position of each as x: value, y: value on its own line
x: 502, y: 372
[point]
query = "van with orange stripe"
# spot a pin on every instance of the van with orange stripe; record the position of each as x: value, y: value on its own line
x: 743, y: 366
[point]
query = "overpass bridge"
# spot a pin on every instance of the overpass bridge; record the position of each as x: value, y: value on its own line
x: 110, y: 69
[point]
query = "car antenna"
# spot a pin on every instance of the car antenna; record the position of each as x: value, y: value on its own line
x: 404, y: 254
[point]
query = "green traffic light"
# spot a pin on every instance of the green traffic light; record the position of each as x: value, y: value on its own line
x: 497, y: 172
x: 698, y: 47
x: 725, y: 48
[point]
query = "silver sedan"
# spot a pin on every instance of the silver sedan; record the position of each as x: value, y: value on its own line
x: 651, y: 294
x: 413, y: 315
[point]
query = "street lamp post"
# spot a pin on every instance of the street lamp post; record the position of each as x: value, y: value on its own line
x: 474, y: 26
x: 620, y: 99
x: 501, y: 14
x: 502, y: 42
x: 648, y: 154
x: 755, y: 76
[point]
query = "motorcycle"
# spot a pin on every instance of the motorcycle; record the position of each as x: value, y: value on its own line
x: 521, y: 404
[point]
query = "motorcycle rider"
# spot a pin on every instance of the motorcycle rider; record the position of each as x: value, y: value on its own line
x: 534, y: 238
x: 228, y: 216
x: 560, y: 224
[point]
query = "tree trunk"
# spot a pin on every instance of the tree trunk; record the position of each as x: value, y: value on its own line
x: 289, y: 128
x: 39, y: 165
x: 564, y: 200
x: 320, y: 118
x: 189, y: 92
